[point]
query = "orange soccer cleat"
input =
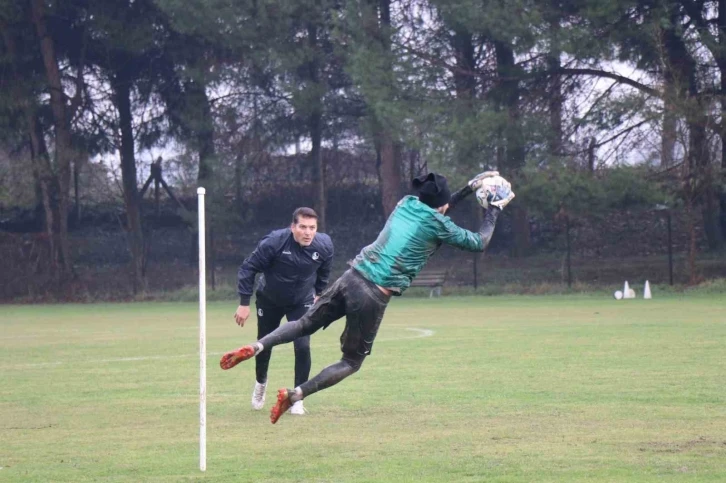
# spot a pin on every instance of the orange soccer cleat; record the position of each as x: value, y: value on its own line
x: 283, y: 404
x: 232, y: 358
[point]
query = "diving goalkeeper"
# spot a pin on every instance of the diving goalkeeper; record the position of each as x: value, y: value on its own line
x: 414, y: 231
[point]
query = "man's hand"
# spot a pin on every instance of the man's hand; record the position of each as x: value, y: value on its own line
x: 242, y: 314
x: 477, y: 180
x: 494, y: 191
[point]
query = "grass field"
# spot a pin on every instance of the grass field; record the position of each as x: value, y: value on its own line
x: 458, y: 389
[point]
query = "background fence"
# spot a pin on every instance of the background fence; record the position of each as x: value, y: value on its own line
x: 604, y: 250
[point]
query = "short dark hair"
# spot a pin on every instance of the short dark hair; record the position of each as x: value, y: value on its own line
x: 305, y: 212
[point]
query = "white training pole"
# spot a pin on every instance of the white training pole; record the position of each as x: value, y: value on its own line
x: 202, y: 335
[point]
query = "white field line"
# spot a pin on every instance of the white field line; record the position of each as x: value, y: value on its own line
x: 420, y: 333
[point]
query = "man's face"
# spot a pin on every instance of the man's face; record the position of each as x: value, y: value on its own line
x: 304, y: 230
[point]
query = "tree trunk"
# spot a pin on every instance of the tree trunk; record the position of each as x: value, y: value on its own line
x: 554, y: 94
x: 122, y: 97
x: 464, y: 76
x: 202, y: 125
x: 388, y: 147
x: 389, y: 171
x: 706, y: 193
x: 722, y: 70
x: 591, y: 154
x: 467, y: 150
x: 43, y: 171
x: 693, y: 277
x: 669, y: 134
x: 668, y: 137
x: 316, y: 156
x: 711, y: 218
x: 466, y: 92
x: 700, y: 188
x: 76, y: 190
x: 315, y: 126
x: 556, y: 99
x: 702, y: 176
x: 63, y: 141
x: 507, y: 95
x: 45, y: 177
x: 238, y: 160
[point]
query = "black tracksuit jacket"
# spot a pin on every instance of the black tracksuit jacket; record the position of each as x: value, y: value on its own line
x: 291, y: 274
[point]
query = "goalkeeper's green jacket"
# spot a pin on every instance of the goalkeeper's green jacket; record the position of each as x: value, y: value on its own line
x: 413, y: 232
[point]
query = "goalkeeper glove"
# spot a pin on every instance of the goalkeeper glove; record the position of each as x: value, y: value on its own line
x: 494, y: 191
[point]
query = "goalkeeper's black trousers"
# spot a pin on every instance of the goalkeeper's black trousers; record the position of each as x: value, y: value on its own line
x: 363, y: 305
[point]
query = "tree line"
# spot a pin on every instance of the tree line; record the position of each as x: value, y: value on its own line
x: 587, y: 105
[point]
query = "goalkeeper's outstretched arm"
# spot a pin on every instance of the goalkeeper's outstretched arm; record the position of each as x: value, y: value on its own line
x: 487, y: 227
x: 493, y: 193
x: 486, y: 230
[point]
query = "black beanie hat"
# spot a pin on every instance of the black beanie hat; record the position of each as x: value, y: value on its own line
x: 433, y: 190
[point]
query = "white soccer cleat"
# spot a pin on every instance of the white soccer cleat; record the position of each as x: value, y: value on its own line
x: 258, y: 396
x: 297, y: 408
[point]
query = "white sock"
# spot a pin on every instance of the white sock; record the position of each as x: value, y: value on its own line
x: 258, y: 347
x: 296, y: 395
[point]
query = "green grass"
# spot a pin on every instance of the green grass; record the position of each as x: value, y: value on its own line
x: 505, y: 389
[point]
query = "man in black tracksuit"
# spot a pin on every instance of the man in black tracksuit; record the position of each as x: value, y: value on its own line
x: 295, y: 265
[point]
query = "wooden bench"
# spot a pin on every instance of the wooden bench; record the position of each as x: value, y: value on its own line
x: 431, y: 278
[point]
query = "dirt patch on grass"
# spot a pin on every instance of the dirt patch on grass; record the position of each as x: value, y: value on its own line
x: 681, y: 446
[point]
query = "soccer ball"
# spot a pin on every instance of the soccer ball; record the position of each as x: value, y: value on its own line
x: 491, y: 190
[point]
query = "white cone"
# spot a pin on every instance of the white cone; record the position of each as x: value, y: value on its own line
x: 646, y: 291
x: 626, y: 291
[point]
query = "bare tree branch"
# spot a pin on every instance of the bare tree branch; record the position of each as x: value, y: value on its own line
x: 610, y: 75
